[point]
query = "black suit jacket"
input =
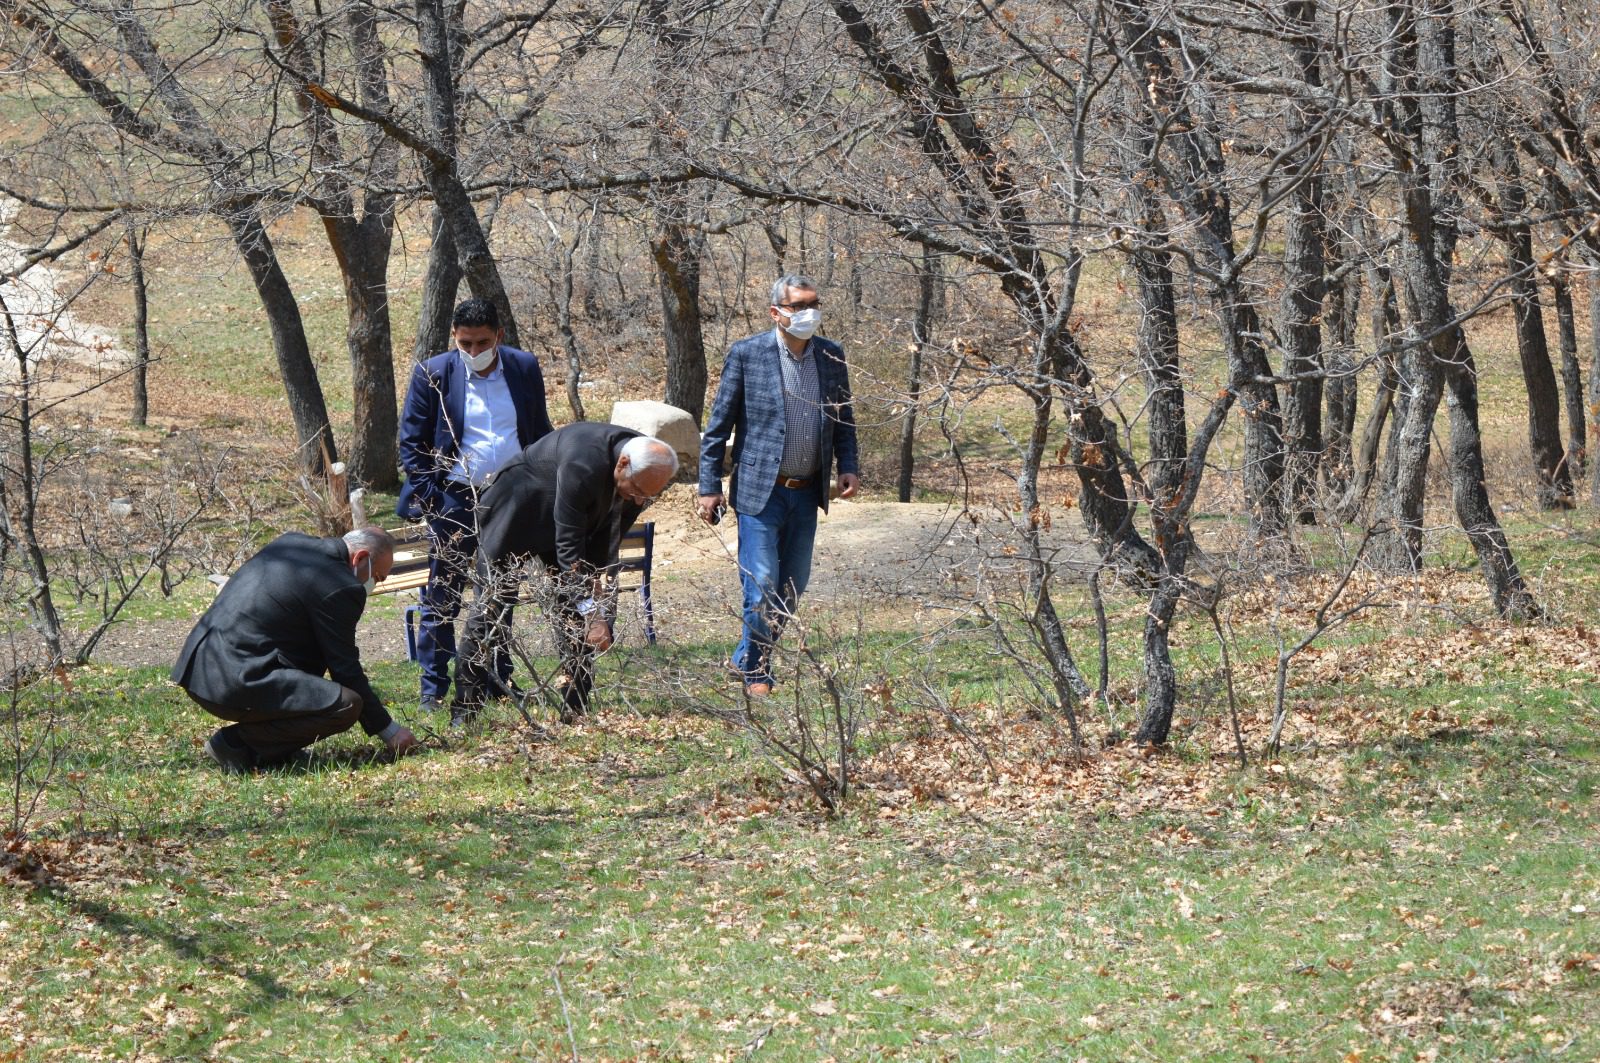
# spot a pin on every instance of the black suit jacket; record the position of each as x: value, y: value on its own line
x: 558, y: 501
x: 286, y: 617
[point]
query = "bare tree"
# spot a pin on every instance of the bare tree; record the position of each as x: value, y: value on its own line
x: 138, y: 238
x: 1195, y: 177
x: 359, y: 236
x: 1438, y: 357
x: 190, y: 145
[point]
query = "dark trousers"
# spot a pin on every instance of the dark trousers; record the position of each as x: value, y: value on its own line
x: 489, y: 630
x: 273, y: 734
x: 452, y: 544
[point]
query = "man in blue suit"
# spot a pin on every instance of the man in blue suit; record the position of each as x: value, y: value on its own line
x: 784, y: 399
x: 467, y: 412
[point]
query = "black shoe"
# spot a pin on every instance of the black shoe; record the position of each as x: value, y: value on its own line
x: 294, y: 760
x: 430, y: 704
x: 234, y: 758
x: 463, y: 713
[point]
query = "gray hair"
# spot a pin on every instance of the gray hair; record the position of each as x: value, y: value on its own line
x: 648, y: 452
x: 790, y: 280
x: 373, y: 540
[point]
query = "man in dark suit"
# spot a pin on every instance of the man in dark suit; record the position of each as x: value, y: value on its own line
x: 259, y: 655
x: 784, y: 398
x: 467, y: 412
x: 566, y: 500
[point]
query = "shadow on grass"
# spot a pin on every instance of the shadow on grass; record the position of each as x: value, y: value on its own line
x: 339, y: 847
x: 207, y: 946
x: 1510, y: 747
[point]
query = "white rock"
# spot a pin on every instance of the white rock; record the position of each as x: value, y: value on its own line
x: 672, y: 426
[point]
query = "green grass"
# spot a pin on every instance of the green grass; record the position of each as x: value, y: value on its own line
x: 648, y: 880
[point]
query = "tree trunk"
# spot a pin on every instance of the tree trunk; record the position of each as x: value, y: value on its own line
x: 676, y: 249
x: 928, y: 277
x: 1512, y: 598
x: 1571, y: 379
x: 137, y: 241
x: 996, y: 217
x: 440, y: 284
x: 1304, y: 287
x: 1444, y: 357
x: 19, y: 501
x: 476, y: 260
x: 1341, y: 390
x: 360, y: 240
x: 1538, y: 375
x: 1174, y: 535
x: 1198, y: 183
x: 299, y: 373
x: 1398, y: 545
x: 1160, y: 677
x: 569, y: 339
x: 1385, y: 325
x: 201, y: 143
x: 1157, y: 346
x: 1593, y: 393
x: 1344, y: 246
x: 678, y: 244
x: 374, y: 433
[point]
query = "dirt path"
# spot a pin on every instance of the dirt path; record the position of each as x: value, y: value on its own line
x: 880, y: 556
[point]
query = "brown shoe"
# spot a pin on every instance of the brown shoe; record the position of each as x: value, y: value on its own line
x: 757, y: 690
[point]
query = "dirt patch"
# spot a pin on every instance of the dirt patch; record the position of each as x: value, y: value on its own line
x: 39, y: 305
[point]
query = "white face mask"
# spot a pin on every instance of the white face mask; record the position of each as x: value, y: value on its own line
x: 369, y: 583
x: 479, y: 362
x: 802, y: 323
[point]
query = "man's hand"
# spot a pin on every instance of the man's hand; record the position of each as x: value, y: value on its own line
x: 402, y: 742
x: 848, y: 482
x: 598, y: 636
x: 711, y: 508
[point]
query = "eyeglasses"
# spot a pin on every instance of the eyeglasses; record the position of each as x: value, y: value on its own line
x: 810, y: 304
x: 638, y: 498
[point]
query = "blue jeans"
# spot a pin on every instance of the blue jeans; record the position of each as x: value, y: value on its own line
x: 774, y: 568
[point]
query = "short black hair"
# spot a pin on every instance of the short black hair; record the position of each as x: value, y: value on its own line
x: 473, y: 313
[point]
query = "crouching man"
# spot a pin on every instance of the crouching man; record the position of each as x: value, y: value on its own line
x: 276, y: 655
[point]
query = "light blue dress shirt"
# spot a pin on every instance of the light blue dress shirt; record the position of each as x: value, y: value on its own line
x: 489, y: 434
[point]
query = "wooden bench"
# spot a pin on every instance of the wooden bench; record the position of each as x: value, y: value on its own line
x: 410, y: 570
x: 635, y: 559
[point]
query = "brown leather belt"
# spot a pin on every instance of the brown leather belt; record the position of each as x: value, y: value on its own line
x: 794, y: 482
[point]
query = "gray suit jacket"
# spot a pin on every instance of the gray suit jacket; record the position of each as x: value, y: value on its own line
x: 283, y: 620
x: 749, y: 409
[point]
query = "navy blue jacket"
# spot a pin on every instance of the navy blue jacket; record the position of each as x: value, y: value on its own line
x: 749, y: 409
x: 430, y: 436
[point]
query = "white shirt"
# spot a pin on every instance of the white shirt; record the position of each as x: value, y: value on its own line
x: 489, y: 434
